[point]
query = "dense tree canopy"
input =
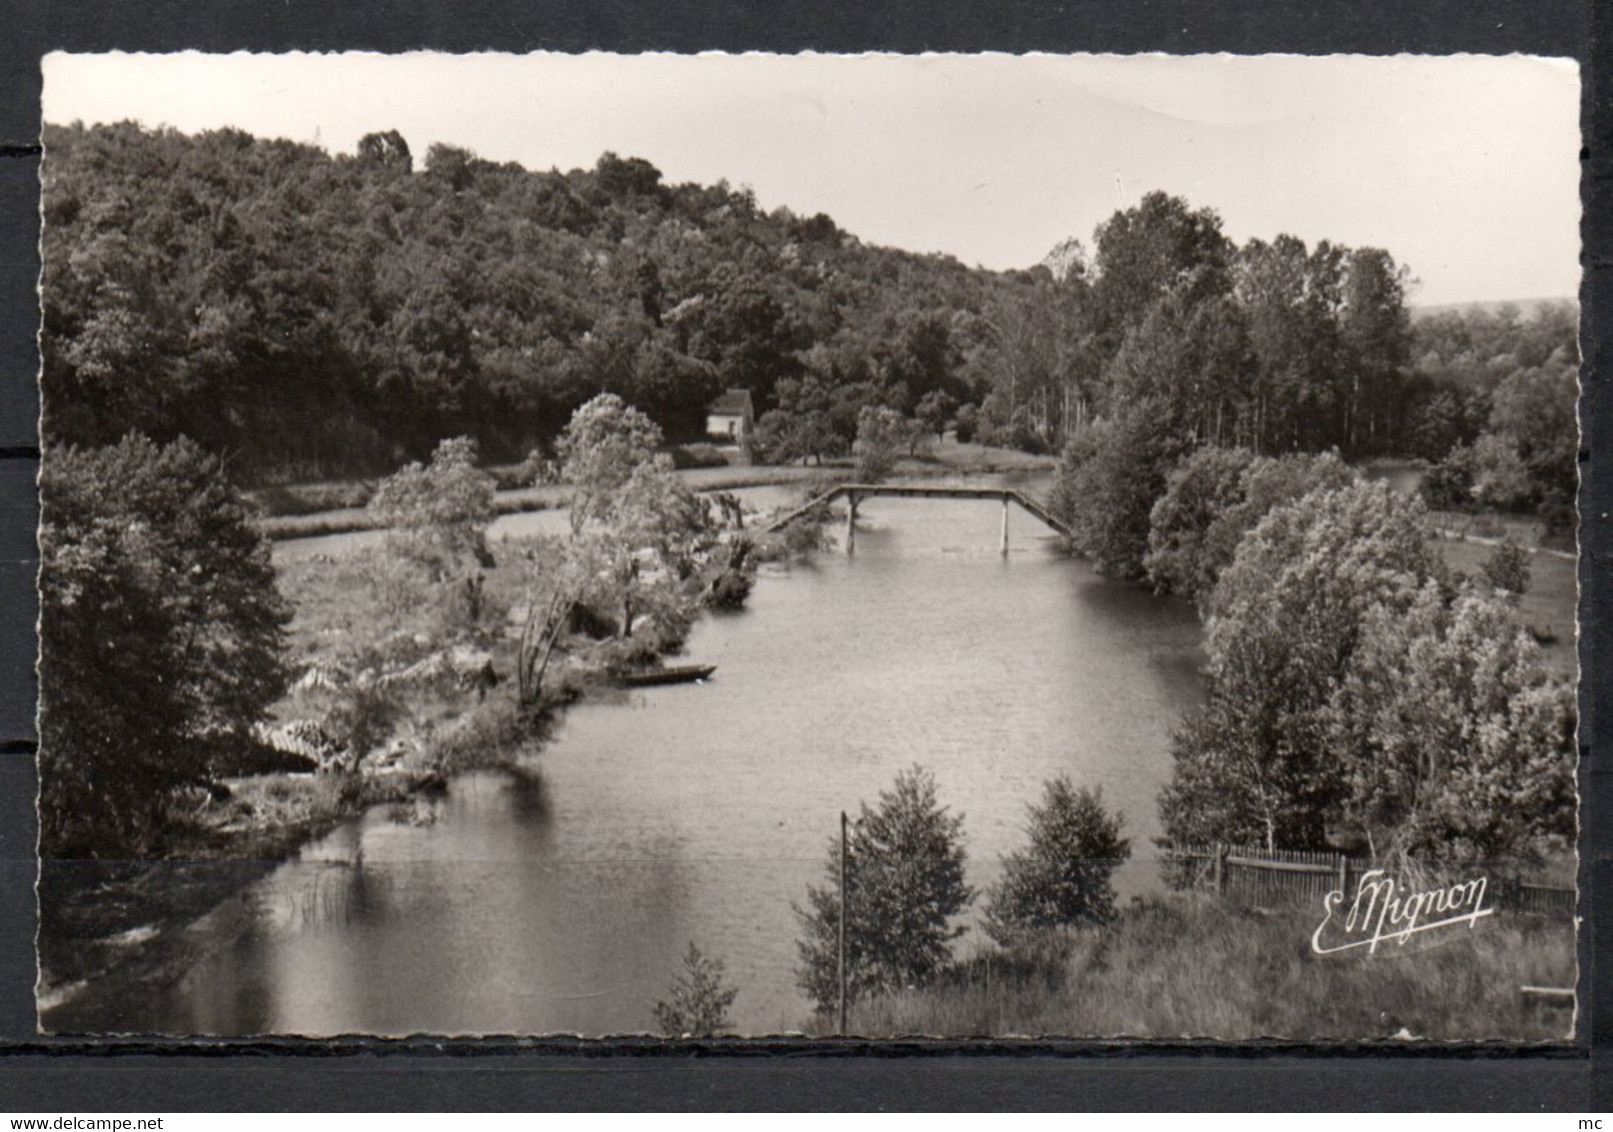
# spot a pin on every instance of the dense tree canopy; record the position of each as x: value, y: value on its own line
x: 161, y: 634
x: 1453, y: 737
x: 1360, y: 696
x: 1212, y: 499
x: 1286, y: 616
x: 1494, y: 403
x: 306, y: 314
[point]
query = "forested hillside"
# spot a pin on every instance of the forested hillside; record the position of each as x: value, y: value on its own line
x: 303, y: 315
x: 1497, y: 411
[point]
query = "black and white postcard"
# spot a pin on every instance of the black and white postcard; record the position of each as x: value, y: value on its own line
x: 740, y: 545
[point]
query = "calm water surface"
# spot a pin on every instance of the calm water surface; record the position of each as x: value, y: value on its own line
x: 561, y: 899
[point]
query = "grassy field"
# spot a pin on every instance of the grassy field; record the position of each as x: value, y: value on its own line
x: 1466, y: 541
x: 1193, y: 967
x: 1548, y: 607
x: 292, y: 512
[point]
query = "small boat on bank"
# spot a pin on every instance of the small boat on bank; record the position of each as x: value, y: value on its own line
x: 677, y: 674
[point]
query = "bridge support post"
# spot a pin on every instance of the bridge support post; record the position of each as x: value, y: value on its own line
x: 1005, y: 527
x: 851, y: 524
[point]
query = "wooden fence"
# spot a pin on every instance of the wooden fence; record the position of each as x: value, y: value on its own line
x: 1265, y: 878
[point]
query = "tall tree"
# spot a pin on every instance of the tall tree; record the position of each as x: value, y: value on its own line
x: 882, y: 435
x: 629, y: 505
x: 1108, y: 483
x: 604, y: 443
x: 904, y: 887
x: 387, y: 149
x: 1064, y: 876
x: 1376, y: 329
x: 1159, y: 245
x: 1214, y: 498
x: 437, y: 513
x: 1536, y: 409
x: 1037, y: 347
x: 161, y: 638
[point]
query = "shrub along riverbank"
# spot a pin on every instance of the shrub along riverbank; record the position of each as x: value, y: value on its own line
x: 411, y: 660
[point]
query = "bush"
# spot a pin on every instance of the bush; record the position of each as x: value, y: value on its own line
x: 489, y: 734
x: 309, y: 499
x: 1019, y: 431
x: 1507, y: 568
x: 1500, y: 477
x: 966, y: 423
x: 1447, y: 486
x: 882, y: 434
x: 1064, y: 876
x: 362, y: 718
x: 1558, y: 512
x: 699, y: 1002
x: 732, y: 586
x: 730, y: 590
x: 538, y: 468
x: 807, y: 536
x: 685, y: 456
x: 1490, y: 473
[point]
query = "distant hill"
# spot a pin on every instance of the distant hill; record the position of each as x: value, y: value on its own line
x: 315, y: 315
x: 1526, y: 307
x: 310, y: 316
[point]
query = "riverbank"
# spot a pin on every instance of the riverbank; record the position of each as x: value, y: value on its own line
x: 123, y: 920
x: 285, y: 517
x: 1190, y: 966
x: 101, y: 918
x: 632, y: 803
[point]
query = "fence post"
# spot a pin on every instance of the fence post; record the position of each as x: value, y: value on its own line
x: 840, y: 948
x: 1220, y: 870
x: 1344, y: 876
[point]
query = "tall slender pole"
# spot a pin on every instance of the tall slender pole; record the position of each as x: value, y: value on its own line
x: 851, y: 524
x: 1005, y: 526
x: 842, y: 949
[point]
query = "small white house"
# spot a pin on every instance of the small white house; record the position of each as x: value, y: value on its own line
x: 731, y: 418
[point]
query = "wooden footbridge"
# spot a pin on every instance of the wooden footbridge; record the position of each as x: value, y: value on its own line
x: 855, y: 493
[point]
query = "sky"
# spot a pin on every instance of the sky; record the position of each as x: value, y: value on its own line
x: 1465, y: 168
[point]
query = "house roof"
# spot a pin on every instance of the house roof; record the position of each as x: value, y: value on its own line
x: 734, y: 401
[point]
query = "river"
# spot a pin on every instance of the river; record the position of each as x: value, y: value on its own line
x: 561, y: 898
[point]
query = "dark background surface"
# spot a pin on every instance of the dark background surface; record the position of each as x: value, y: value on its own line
x: 51, y: 1076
